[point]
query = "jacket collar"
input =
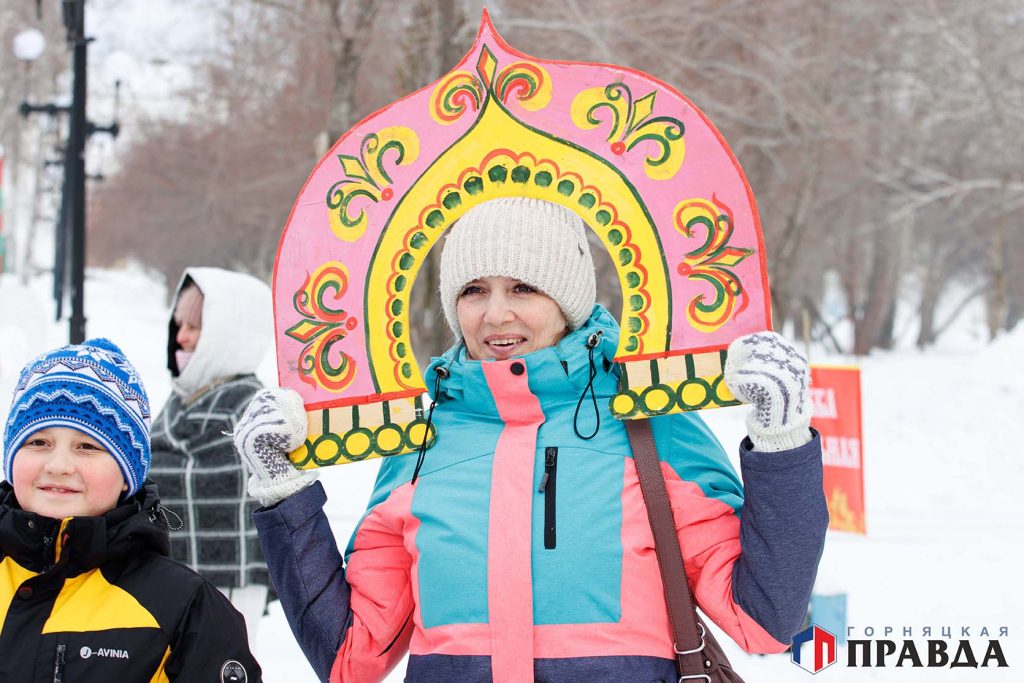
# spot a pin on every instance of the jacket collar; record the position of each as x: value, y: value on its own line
x: 557, y: 374
x: 77, y: 544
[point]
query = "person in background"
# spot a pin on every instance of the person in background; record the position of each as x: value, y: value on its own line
x: 469, y: 561
x: 219, y: 330
x: 87, y: 588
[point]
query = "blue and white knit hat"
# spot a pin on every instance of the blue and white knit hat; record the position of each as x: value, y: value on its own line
x: 89, y: 387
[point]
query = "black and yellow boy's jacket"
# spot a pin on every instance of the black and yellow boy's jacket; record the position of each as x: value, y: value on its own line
x: 98, y: 599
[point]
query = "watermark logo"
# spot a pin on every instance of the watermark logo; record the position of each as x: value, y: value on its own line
x: 814, y: 649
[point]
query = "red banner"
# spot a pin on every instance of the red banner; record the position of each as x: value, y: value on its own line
x: 835, y: 392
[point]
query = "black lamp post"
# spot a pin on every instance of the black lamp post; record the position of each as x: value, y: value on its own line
x: 74, y: 22
x: 72, y: 225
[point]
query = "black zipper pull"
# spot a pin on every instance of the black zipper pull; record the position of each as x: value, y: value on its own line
x: 547, y: 487
x: 550, y: 458
x: 58, y: 664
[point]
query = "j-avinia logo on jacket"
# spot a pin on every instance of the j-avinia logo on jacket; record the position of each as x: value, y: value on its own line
x: 112, y: 653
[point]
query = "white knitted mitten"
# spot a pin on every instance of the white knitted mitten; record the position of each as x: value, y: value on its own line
x: 764, y: 369
x: 271, y: 427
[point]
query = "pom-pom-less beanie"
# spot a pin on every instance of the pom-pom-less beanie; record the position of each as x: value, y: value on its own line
x: 540, y: 243
x: 90, y: 387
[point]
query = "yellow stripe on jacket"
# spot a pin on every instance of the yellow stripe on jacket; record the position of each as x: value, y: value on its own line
x: 77, y: 608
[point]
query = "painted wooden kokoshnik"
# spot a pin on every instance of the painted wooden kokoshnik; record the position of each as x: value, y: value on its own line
x: 634, y: 158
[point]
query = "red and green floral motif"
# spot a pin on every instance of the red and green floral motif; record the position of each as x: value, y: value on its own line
x: 324, y: 324
x: 712, y: 262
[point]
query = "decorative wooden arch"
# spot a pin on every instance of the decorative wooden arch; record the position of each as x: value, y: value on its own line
x: 635, y: 159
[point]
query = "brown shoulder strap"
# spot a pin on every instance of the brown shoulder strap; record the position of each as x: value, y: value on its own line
x: 688, y: 639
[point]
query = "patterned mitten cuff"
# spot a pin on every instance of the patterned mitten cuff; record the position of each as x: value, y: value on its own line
x: 272, y: 426
x: 764, y: 369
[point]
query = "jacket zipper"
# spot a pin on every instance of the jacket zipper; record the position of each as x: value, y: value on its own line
x: 547, y: 487
x: 48, y: 559
x: 58, y: 664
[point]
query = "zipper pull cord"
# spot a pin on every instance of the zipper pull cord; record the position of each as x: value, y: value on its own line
x: 592, y: 342
x: 161, y: 515
x: 439, y: 374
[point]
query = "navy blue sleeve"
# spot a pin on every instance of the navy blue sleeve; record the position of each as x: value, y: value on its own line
x: 782, y: 534
x: 308, y: 574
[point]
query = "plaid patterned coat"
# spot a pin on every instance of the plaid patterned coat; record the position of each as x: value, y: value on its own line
x: 195, y: 466
x: 202, y: 479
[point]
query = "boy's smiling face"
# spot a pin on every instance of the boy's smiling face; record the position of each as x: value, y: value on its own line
x: 60, y: 472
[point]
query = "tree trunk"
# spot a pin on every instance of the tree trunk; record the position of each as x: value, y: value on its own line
x: 798, y: 222
x: 880, y: 285
x: 931, y: 288
x: 997, y: 297
x: 347, y: 52
x: 926, y: 315
x: 1014, y: 313
x: 887, y: 333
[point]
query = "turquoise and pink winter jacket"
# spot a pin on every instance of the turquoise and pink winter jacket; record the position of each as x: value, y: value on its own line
x: 523, y: 552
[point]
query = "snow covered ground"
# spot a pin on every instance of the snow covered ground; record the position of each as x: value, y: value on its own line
x: 945, y: 505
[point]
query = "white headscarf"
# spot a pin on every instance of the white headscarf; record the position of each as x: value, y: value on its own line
x: 237, y: 328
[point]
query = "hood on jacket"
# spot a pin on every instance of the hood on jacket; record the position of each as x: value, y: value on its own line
x: 237, y: 329
x: 137, y: 524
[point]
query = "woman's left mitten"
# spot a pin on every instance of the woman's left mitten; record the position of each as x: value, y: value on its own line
x: 764, y: 370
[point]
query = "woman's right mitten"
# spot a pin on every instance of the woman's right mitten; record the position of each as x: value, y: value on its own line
x: 272, y: 426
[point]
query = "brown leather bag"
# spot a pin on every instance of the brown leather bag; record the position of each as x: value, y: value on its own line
x: 698, y: 654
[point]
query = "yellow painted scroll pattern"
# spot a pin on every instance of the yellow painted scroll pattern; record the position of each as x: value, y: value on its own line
x: 525, y: 82
x: 632, y: 123
x: 324, y: 324
x: 454, y: 95
x: 366, y: 178
x: 712, y: 262
x: 528, y: 83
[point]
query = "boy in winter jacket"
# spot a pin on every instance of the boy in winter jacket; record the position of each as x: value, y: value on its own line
x: 87, y: 589
x: 219, y: 331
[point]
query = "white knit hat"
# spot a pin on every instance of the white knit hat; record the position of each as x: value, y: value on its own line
x: 538, y: 242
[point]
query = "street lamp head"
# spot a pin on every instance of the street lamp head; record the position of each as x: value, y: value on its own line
x: 29, y: 44
x: 73, y: 12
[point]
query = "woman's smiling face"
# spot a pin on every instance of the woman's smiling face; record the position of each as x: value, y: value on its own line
x: 503, y: 317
